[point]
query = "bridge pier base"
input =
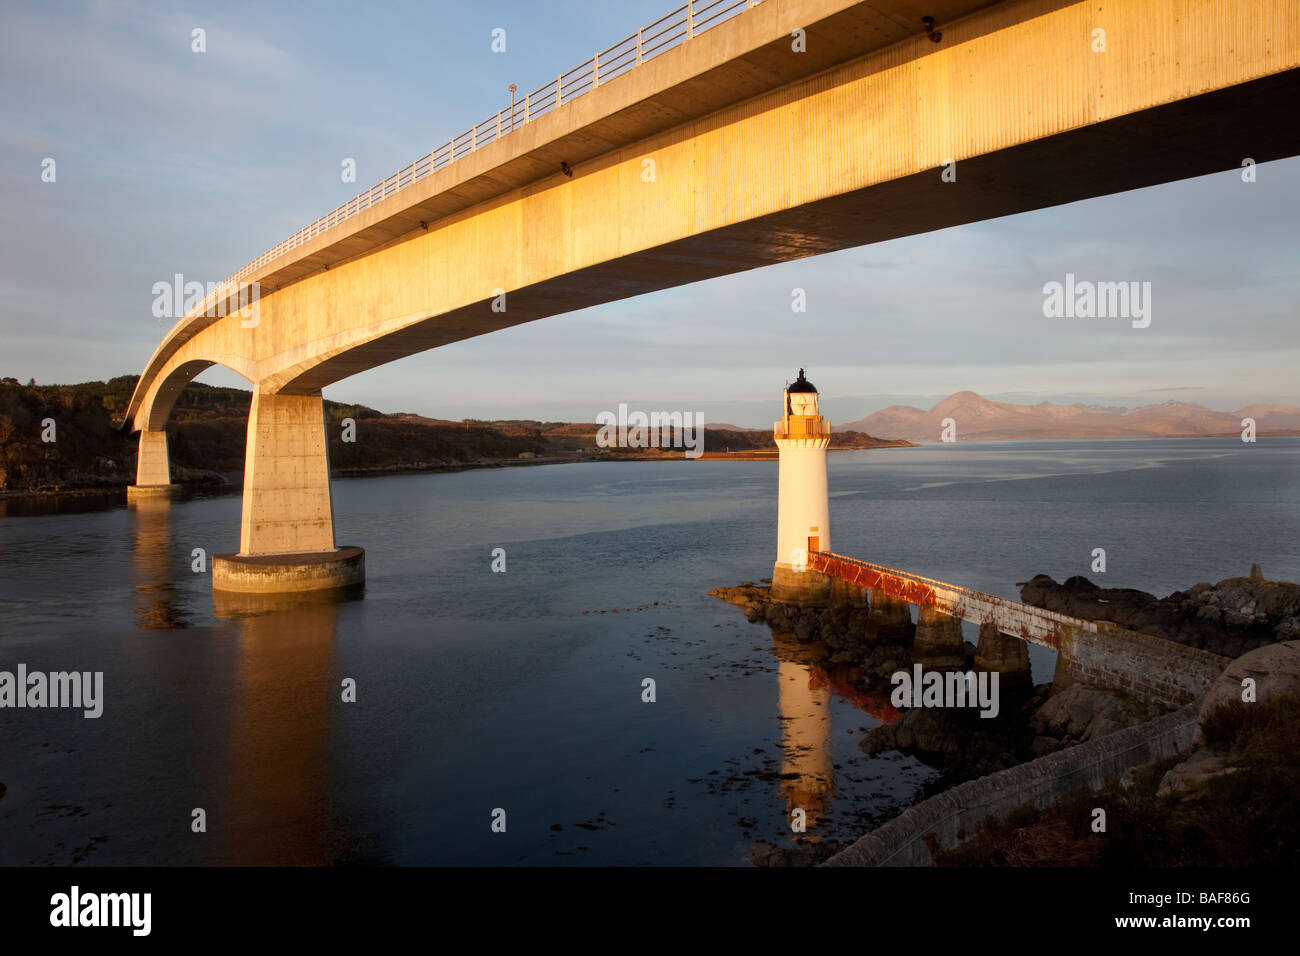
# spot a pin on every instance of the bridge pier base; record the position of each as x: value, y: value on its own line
x: 153, y: 477
x: 286, y: 538
x: 1003, y: 653
x: 938, y: 642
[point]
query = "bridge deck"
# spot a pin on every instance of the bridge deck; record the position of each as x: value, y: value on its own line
x: 756, y: 154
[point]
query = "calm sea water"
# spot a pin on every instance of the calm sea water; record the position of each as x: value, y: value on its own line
x: 478, y: 691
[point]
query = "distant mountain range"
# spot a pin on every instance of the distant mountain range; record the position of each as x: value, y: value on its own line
x: 978, y: 418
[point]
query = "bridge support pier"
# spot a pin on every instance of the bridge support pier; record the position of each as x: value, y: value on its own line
x: 938, y: 641
x: 153, y: 477
x: 286, y: 539
x: 1003, y: 653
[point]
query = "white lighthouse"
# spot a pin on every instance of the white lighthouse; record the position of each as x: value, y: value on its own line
x: 803, y: 507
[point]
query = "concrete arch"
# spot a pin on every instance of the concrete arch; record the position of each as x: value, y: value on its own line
x: 152, y: 407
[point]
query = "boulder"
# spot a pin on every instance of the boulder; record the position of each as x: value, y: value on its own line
x: 1274, y: 667
x: 1229, y: 618
x: 1194, y: 772
x: 1080, y: 713
x: 923, y: 729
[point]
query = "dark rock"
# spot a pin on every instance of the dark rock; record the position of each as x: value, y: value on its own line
x: 1229, y: 618
x: 1080, y: 713
x: 1042, y: 746
x: 1275, y: 670
x: 923, y: 729
x: 1194, y: 773
x: 806, y: 854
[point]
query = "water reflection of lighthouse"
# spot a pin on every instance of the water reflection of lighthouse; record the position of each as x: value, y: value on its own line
x: 807, y: 775
x: 807, y: 685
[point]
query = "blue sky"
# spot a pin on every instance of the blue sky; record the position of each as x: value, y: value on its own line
x: 171, y: 161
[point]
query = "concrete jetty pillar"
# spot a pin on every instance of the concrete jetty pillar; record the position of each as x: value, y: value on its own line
x: 847, y: 594
x: 286, y: 537
x: 1004, y: 653
x: 888, y: 611
x: 938, y: 641
x: 152, y: 468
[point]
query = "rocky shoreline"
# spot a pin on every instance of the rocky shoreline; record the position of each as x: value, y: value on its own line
x: 879, y: 641
x: 874, y: 636
x: 1230, y: 618
x: 211, y: 482
x: 217, y: 483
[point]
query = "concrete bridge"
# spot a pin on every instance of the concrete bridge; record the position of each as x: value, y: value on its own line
x: 727, y: 136
x: 1097, y: 653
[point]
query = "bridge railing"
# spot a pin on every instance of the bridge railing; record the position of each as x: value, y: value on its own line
x: 670, y: 30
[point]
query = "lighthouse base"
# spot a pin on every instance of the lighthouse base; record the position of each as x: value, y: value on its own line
x: 799, y: 587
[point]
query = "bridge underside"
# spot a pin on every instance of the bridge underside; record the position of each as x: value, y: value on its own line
x: 1196, y: 137
x: 848, y: 156
x: 1206, y: 134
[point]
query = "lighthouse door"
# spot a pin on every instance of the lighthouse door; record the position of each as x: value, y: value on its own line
x: 814, y: 543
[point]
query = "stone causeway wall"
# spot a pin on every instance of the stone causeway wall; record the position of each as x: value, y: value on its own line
x: 1144, y: 667
x: 948, y: 819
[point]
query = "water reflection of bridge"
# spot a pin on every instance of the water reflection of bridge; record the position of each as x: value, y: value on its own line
x: 278, y: 799
x: 264, y: 741
x: 157, y: 597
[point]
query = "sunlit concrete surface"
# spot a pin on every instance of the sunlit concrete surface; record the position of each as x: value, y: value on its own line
x: 732, y: 151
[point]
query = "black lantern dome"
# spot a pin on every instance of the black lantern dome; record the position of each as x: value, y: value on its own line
x: 802, y: 385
